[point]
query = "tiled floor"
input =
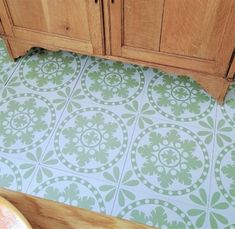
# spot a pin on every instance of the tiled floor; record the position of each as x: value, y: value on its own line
x: 116, y: 138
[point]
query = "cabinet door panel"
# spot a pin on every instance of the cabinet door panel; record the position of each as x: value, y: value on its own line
x: 142, y: 24
x: 194, y: 27
x: 197, y: 35
x: 71, y: 19
x: 52, y: 16
x: 136, y: 24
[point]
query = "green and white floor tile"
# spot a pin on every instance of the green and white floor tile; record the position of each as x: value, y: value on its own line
x: 70, y: 189
x: 6, y: 70
x: 116, y: 138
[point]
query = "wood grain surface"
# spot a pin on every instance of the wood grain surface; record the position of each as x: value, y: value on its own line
x: 142, y: 23
x: 194, y: 27
x: 74, y: 24
x: 1, y: 28
x: 45, y: 214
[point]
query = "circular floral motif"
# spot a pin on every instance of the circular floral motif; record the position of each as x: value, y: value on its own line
x: 180, y: 93
x: 50, y: 68
x: 166, y: 156
x: 112, y: 83
x: 157, y: 213
x: 20, y: 121
x: 71, y: 190
x: 47, y: 71
x: 91, y: 140
x: 26, y: 120
x: 179, y: 98
x: 9, y: 175
x: 175, y: 154
x: 113, y: 80
x: 225, y: 173
x: 228, y: 108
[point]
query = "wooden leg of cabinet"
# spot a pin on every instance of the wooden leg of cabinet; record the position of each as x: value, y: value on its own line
x: 16, y: 48
x: 217, y: 87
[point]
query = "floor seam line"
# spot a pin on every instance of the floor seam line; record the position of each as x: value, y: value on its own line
x: 75, y: 174
x: 129, y: 147
x: 13, y: 72
x: 124, y: 164
x: 33, y: 176
x: 78, y: 78
x: 59, y: 119
x: 212, y: 161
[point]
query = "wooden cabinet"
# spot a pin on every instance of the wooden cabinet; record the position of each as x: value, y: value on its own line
x: 187, y: 34
x: 194, y: 28
x: 1, y: 28
x: 191, y: 37
x: 135, y: 25
x: 70, y: 24
x: 197, y: 29
x: 231, y: 71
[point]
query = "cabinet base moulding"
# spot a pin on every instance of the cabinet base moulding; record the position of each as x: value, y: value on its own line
x: 216, y: 86
x: 213, y: 85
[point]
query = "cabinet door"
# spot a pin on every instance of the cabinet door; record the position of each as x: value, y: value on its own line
x: 73, y: 24
x: 194, y: 27
x: 196, y: 35
x: 135, y: 26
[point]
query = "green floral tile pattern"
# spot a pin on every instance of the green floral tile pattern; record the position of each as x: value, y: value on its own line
x: 215, y: 204
x: 74, y: 101
x: 219, y: 130
x: 112, y: 83
x: 49, y: 71
x: 73, y: 191
x: 10, y: 88
x: 117, y: 138
x: 225, y: 173
x: 26, y: 120
x: 5, y: 60
x: 132, y: 111
x: 4, y: 77
x: 7, y: 66
x: 165, y: 156
x: 178, y: 98
x: 229, y: 106
x: 123, y: 193
x: 91, y: 140
x: 156, y: 213
x: 42, y: 160
x: 10, y: 176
